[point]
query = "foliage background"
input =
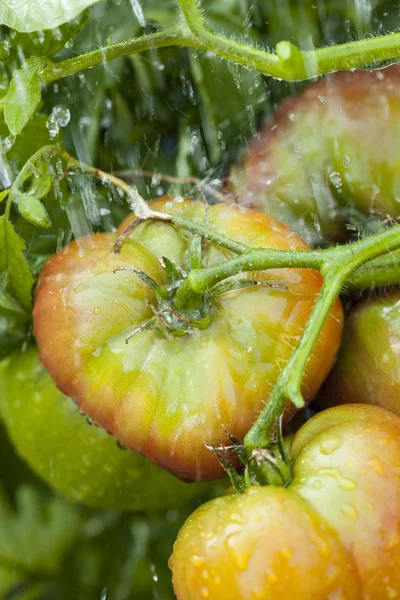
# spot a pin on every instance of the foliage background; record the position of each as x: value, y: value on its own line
x: 172, y: 111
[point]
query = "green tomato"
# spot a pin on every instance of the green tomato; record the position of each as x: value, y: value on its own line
x: 317, y: 162
x: 368, y: 365
x: 76, y: 458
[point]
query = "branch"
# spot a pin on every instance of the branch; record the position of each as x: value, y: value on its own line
x: 287, y: 62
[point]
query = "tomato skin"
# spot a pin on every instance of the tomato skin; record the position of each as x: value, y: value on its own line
x: 233, y: 559
x: 319, y: 151
x: 166, y: 398
x: 79, y: 460
x: 334, y: 532
x: 368, y: 365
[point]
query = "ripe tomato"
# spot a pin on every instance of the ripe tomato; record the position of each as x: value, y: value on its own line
x: 333, y: 533
x: 368, y: 365
x: 166, y: 397
x: 317, y: 156
x: 81, y: 461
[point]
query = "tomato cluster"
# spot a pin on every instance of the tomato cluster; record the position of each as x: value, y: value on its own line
x: 334, y: 532
x: 133, y: 393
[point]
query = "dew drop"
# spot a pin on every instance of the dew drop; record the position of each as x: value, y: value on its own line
x: 197, y: 561
x: 336, y: 180
x: 346, y: 161
x: 329, y: 446
x: 349, y: 510
x: 375, y: 465
x: 287, y: 552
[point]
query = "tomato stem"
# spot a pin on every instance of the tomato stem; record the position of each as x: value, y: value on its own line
x: 287, y: 62
x: 340, y: 262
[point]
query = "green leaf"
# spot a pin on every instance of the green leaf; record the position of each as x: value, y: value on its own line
x: 23, y: 95
x: 22, y: 147
x: 14, y: 264
x: 41, y: 43
x: 4, y: 194
x: 8, y: 305
x: 36, y: 536
x: 32, y: 210
x: 40, y: 182
x: 34, y: 15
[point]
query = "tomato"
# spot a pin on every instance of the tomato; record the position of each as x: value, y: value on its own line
x: 319, y: 154
x: 368, y: 365
x: 334, y: 532
x: 79, y: 460
x: 168, y: 396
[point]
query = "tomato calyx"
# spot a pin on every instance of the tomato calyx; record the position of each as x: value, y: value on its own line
x: 166, y: 319
x: 261, y: 467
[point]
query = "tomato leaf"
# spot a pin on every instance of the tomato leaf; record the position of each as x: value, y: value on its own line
x: 23, y: 95
x: 33, y: 137
x: 41, y: 43
x: 8, y: 305
x: 14, y: 264
x: 32, y: 210
x: 40, y: 182
x: 34, y: 537
x: 31, y: 15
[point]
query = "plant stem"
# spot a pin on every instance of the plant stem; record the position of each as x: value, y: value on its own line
x: 340, y: 263
x: 161, y: 39
x: 287, y: 62
x: 381, y: 272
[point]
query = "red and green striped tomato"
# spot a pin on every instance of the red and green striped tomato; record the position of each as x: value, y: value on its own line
x: 333, y: 532
x: 330, y: 148
x: 168, y: 397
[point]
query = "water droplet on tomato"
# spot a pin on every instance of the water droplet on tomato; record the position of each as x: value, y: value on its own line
x: 287, y: 552
x: 375, y: 465
x: 329, y: 446
x: 239, y: 554
x: 349, y: 511
x: 343, y: 482
x: 272, y: 577
x: 197, y: 561
x: 204, y: 592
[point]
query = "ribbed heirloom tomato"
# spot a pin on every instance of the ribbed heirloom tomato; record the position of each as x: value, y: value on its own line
x: 333, y: 533
x: 318, y: 155
x: 171, y: 389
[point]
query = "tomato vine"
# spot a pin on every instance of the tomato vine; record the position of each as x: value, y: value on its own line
x: 287, y: 62
x: 340, y: 266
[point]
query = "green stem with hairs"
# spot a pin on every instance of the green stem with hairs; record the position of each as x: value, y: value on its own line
x: 287, y: 62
